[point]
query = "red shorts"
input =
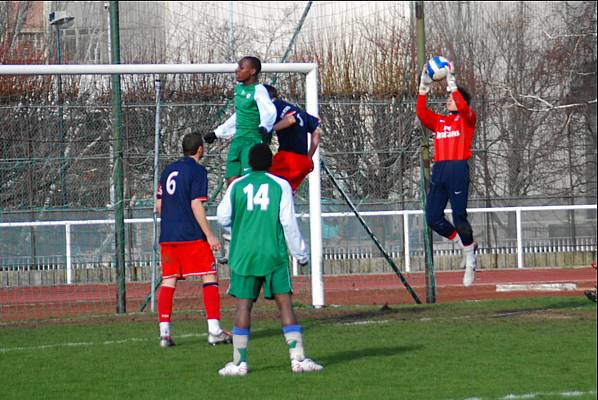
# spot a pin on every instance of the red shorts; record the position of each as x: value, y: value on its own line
x: 292, y: 167
x: 180, y: 260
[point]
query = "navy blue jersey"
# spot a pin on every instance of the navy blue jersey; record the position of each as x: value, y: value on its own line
x: 294, y: 138
x: 180, y: 183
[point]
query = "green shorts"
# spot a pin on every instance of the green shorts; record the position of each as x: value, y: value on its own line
x: 237, y: 160
x: 248, y: 287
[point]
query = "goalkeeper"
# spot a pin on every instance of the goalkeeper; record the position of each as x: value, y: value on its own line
x: 252, y: 121
x: 453, y: 135
x: 259, y: 209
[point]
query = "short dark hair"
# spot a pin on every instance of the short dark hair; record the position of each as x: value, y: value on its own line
x: 466, y: 95
x: 255, y: 63
x: 260, y: 157
x: 191, y: 143
x: 272, y: 92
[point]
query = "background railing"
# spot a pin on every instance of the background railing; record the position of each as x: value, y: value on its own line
x: 84, y: 245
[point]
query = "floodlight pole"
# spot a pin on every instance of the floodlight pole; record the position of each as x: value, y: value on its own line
x: 119, y: 214
x: 420, y: 34
x: 58, y: 24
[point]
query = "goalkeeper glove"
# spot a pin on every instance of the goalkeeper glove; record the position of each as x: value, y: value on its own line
x: 424, y: 82
x: 210, y: 137
x: 266, y: 136
x: 451, y: 82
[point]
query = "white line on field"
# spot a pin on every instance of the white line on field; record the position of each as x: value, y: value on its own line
x: 370, y: 322
x: 83, y: 344
x: 570, y: 394
x: 543, y: 287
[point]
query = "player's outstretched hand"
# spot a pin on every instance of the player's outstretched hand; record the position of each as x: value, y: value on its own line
x: 424, y: 82
x: 451, y: 82
x: 266, y: 136
x: 209, y: 138
x: 214, y: 243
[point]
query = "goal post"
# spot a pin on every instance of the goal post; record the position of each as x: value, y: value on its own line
x: 311, y: 102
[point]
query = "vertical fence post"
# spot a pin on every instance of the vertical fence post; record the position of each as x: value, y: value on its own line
x: 519, y: 239
x: 155, y: 244
x: 119, y: 215
x: 406, y: 241
x: 69, y: 259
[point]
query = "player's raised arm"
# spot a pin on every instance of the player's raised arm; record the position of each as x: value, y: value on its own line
x: 224, y: 131
x: 461, y: 102
x: 287, y: 121
x: 266, y: 108
x: 427, y: 117
x: 315, y: 141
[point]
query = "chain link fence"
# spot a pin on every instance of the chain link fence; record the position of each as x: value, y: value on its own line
x: 56, y: 161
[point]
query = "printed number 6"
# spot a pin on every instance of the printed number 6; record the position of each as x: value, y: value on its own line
x: 171, y: 183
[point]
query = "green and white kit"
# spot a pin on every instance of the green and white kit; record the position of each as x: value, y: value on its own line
x: 259, y: 209
x: 253, y: 108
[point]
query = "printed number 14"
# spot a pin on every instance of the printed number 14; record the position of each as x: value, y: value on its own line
x: 261, y: 197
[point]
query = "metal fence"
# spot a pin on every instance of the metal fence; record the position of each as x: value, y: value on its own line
x: 56, y: 164
x: 58, y: 160
x: 84, y: 245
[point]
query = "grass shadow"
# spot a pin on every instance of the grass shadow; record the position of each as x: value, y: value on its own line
x: 351, y: 355
x: 365, y: 315
x: 561, y: 305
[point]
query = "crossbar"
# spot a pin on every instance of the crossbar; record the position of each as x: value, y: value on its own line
x: 109, y: 69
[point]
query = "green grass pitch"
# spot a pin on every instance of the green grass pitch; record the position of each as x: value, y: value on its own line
x: 534, y: 348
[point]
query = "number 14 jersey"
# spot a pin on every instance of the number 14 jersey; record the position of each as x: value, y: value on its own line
x: 259, y: 209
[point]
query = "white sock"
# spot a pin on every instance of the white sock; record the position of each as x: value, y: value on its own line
x: 469, y: 249
x: 469, y: 253
x: 293, y: 335
x: 164, y: 329
x: 240, y: 349
x: 214, y: 326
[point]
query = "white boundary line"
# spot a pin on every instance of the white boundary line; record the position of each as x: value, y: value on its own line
x: 536, y: 287
x: 567, y: 394
x: 83, y: 344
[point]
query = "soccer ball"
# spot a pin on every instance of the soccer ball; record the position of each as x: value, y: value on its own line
x: 437, y: 68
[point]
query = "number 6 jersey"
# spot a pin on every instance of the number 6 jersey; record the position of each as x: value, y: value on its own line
x: 259, y: 209
x: 180, y: 183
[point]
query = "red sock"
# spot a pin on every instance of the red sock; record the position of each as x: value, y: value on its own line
x: 211, y: 300
x: 165, y: 303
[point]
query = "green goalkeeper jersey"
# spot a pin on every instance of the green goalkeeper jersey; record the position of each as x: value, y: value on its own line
x: 259, y: 209
x: 253, y: 108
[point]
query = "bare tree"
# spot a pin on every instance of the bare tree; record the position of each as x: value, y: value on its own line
x: 12, y: 19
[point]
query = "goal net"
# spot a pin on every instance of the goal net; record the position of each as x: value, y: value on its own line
x: 59, y: 167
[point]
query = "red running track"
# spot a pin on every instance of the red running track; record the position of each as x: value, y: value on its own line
x: 72, y: 300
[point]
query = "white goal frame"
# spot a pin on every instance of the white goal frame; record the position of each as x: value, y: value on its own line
x: 311, y: 103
